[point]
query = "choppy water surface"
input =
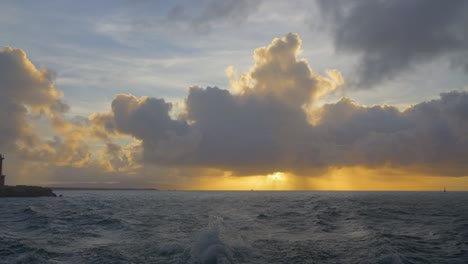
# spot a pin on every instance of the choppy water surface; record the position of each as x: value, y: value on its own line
x: 235, y: 227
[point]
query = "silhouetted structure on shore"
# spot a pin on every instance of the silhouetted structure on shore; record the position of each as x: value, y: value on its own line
x: 21, y: 190
x: 2, y: 177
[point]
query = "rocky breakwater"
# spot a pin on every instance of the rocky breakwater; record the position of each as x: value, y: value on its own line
x: 25, y: 191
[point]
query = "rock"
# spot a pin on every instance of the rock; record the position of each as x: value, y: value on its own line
x: 25, y: 191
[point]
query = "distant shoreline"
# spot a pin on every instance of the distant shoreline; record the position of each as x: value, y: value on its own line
x: 189, y: 190
x: 100, y: 189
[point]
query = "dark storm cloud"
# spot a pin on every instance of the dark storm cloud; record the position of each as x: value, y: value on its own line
x: 394, y: 36
x: 244, y: 133
x: 248, y: 135
x: 430, y: 134
x: 247, y: 132
x: 146, y: 119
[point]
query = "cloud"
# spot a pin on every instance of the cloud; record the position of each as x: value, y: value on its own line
x: 203, y: 15
x: 245, y: 132
x: 29, y: 93
x: 69, y: 144
x: 263, y: 126
x: 392, y: 37
x: 430, y: 136
x: 196, y: 16
x: 25, y: 90
x: 145, y: 119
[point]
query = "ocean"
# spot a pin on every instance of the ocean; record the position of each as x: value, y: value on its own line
x: 235, y: 227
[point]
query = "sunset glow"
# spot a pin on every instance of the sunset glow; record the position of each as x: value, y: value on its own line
x: 181, y: 98
x: 233, y: 131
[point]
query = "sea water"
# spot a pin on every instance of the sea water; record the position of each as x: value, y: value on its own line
x: 235, y: 227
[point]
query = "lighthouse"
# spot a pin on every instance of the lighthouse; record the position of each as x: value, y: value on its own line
x: 2, y: 177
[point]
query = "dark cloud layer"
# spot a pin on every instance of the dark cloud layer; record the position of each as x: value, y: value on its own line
x: 250, y: 135
x: 428, y: 135
x: 394, y: 36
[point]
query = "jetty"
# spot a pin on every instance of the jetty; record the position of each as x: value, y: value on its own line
x: 21, y: 190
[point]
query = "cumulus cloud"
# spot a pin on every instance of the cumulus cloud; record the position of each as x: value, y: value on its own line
x: 29, y: 96
x: 25, y: 90
x: 394, y: 36
x: 429, y: 135
x: 263, y: 126
x: 29, y: 93
x: 279, y: 73
x: 259, y: 126
x: 145, y: 119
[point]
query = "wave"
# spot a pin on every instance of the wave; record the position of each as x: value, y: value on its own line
x: 209, y: 248
x: 234, y: 227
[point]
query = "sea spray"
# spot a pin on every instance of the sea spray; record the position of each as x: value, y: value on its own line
x: 208, y: 247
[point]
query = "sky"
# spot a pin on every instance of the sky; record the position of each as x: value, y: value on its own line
x: 235, y: 95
